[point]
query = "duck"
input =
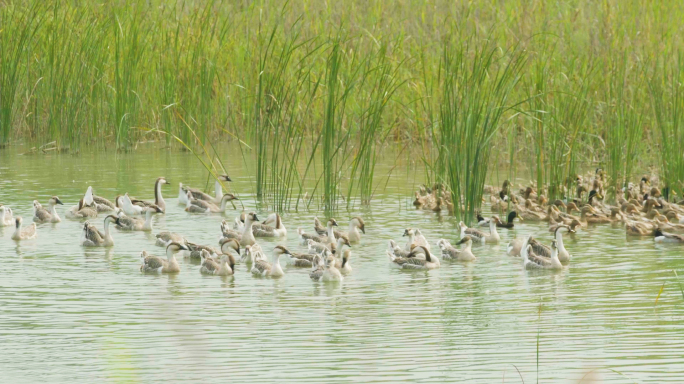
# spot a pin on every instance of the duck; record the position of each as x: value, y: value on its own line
x: 477, y: 235
x: 266, y: 230
x: 533, y: 261
x: 155, y: 264
x: 331, y: 273
x: 252, y: 253
x: 92, y: 237
x: 414, y: 263
x: 229, y: 246
x: 42, y: 215
x: 6, y: 218
x: 415, y: 238
x: 343, y: 264
x: 158, y: 198
x: 127, y: 223
x: 265, y: 269
x: 512, y: 215
x: 636, y: 228
x: 199, y: 195
x: 194, y: 251
x: 572, y: 226
x: 514, y: 247
x: 449, y: 252
x: 301, y: 260
x: 314, y: 247
x: 201, y: 206
x: 317, y: 268
x: 82, y: 211
x: 23, y: 233
x: 329, y: 238
x: 225, y: 267
x: 126, y: 204
x: 166, y: 238
x: 396, y: 250
x: 666, y: 237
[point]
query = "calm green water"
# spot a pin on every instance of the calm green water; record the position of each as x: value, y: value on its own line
x: 70, y: 314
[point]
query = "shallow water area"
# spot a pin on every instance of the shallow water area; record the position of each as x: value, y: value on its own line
x: 71, y: 314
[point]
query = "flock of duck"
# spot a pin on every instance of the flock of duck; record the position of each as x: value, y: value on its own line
x: 643, y: 211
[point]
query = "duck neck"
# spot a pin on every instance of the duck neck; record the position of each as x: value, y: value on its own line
x: 53, y: 212
x: 492, y: 228
x: 17, y: 231
x: 148, y: 220
x: 559, y: 241
x: 224, y: 201
x: 276, y: 264
x: 170, y: 255
x: 331, y: 233
x: 108, y: 236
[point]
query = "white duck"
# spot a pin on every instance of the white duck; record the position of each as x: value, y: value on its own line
x: 23, y: 233
x: 6, y: 218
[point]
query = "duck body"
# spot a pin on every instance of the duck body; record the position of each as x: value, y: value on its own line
x: 92, y: 237
x: 127, y: 223
x: 155, y: 264
x: 411, y: 262
x: 266, y: 230
x: 6, y: 218
x: 534, y: 261
x: 480, y: 236
x: 42, y: 215
x: 450, y: 252
x: 21, y: 233
x: 666, y: 237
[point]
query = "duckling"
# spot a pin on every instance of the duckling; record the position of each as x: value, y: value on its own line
x: 166, y: 238
x: 533, y: 261
x: 317, y: 267
x: 158, y: 198
x: 225, y: 267
x: 331, y: 273
x: 155, y: 264
x: 6, y: 218
x: 23, y: 233
x: 414, y: 263
x: 415, y: 238
x: 666, y: 237
x: 264, y: 268
x: 477, y: 235
x: 265, y: 230
x: 451, y: 253
x: 126, y: 223
x: 42, y: 215
x: 199, y: 195
x: 92, y: 237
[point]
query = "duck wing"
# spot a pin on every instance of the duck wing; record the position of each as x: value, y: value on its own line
x: 304, y: 256
x: 540, y: 249
x: 92, y: 234
x: 197, y: 194
x: 42, y: 215
x: 541, y: 261
x: 126, y: 223
x: 209, y: 266
x: 29, y: 231
x: 263, y: 230
x: 475, y: 233
x: 261, y: 267
x: 154, y: 263
x: 450, y: 252
x: 673, y: 236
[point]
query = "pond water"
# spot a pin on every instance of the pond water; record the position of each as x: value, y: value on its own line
x: 70, y: 314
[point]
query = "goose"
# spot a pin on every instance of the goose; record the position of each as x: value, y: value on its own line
x: 166, y: 238
x: 317, y: 268
x: 572, y: 226
x: 42, y: 215
x: 264, y: 268
x: 158, y: 199
x: 514, y: 247
x: 329, y: 238
x: 414, y: 263
x: 449, y: 252
x: 396, y: 250
x: 225, y: 267
x: 301, y: 260
x: 231, y: 233
x: 201, y: 206
x: 343, y: 264
x: 253, y: 253
x: 314, y: 247
x: 101, y: 204
x: 92, y: 237
x: 199, y: 195
x: 6, y: 218
x: 331, y: 273
x: 666, y: 237
x: 266, y: 230
x: 194, y: 251
x: 415, y: 238
x: 127, y: 223
x: 229, y: 246
x: 543, y: 250
x: 155, y: 264
x: 477, y: 235
x: 247, y: 236
x: 318, y: 226
x: 82, y: 211
x: 355, y: 224
x: 126, y: 204
x: 23, y: 233
x: 533, y: 261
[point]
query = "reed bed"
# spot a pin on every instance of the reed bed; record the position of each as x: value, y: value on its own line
x: 316, y: 92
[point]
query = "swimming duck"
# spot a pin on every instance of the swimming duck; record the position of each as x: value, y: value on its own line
x: 266, y: 230
x: 301, y: 260
x: 477, y: 235
x: 396, y: 250
x: 415, y: 238
x: 225, y: 267
x: 512, y: 215
x: 194, y: 251
x: 317, y: 268
x: 329, y: 238
x: 414, y: 263
x: 352, y: 233
x: 572, y: 226
x: 92, y: 237
x: 229, y: 246
x: 42, y: 215
x: 127, y: 223
x: 166, y: 238
x: 342, y: 263
x: 6, y: 218
x: 23, y: 233
x: 253, y: 253
x: 199, y: 195
x: 82, y: 211
x: 331, y: 273
x: 126, y: 204
x: 534, y: 261
x: 514, y: 247
x: 636, y: 228
x: 155, y: 264
x: 666, y: 237
x: 264, y: 268
x: 449, y: 252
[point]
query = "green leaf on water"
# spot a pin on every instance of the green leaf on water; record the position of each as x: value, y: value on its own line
x: 659, y: 293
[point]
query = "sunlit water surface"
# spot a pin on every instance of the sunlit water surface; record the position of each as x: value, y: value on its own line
x: 70, y: 314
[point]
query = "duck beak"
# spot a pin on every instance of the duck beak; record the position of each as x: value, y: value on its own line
x: 363, y: 229
x: 59, y: 202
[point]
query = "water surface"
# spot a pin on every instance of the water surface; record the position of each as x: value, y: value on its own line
x: 71, y: 314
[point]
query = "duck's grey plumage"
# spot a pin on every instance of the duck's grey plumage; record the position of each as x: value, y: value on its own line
x: 155, y: 264
x: 539, y: 248
x: 261, y: 267
x: 43, y: 215
x: 102, y: 204
x: 165, y: 238
x: 152, y: 263
x: 194, y: 251
x: 318, y: 268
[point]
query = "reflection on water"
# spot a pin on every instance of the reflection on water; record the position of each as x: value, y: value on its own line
x: 86, y: 315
